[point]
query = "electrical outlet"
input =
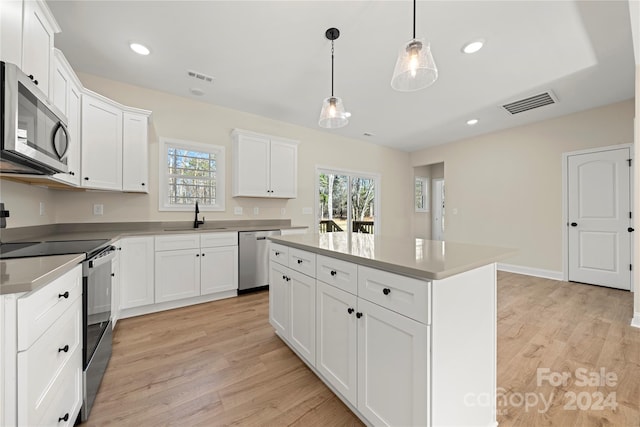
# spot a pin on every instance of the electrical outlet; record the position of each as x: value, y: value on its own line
x: 42, y: 210
x: 256, y: 211
x: 237, y: 210
x: 283, y: 211
x: 98, y: 209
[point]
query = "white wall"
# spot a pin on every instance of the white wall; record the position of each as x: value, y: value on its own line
x: 507, y: 186
x: 422, y: 220
x: 23, y: 203
x: 189, y: 119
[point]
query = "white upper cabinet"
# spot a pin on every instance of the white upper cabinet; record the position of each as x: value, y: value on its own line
x: 114, y: 145
x: 264, y: 166
x: 66, y: 95
x: 27, y: 29
x: 135, y: 164
x: 38, y: 30
x: 101, y: 143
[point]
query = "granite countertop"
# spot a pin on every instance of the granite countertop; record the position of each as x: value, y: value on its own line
x: 28, y: 274
x: 420, y: 258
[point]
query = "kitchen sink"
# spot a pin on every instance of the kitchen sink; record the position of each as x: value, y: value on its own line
x: 195, y: 229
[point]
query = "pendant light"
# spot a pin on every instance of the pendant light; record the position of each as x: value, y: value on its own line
x: 332, y: 115
x: 415, y: 68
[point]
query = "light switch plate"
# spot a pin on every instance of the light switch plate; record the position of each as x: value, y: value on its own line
x: 98, y: 209
x: 256, y: 211
x: 237, y: 210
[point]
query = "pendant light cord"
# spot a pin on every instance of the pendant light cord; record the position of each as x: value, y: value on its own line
x: 332, y: 68
x: 414, y: 19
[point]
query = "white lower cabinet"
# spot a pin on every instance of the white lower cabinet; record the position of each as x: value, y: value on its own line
x: 337, y: 340
x: 137, y: 272
x: 177, y: 274
x: 393, y: 361
x: 41, y: 339
x: 279, y: 298
x: 302, y: 315
x: 218, y: 269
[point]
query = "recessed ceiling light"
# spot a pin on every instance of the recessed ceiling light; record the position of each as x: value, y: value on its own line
x: 473, y: 47
x: 196, y: 91
x: 139, y: 49
x: 472, y: 122
x: 347, y: 114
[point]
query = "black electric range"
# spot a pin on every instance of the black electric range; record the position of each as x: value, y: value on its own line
x: 62, y: 247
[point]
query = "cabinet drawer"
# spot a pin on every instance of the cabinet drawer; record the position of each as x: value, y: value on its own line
x: 279, y: 253
x: 213, y: 240
x: 40, y: 309
x: 177, y: 241
x: 302, y: 261
x: 341, y: 274
x: 61, y: 404
x: 41, y: 365
x: 404, y: 295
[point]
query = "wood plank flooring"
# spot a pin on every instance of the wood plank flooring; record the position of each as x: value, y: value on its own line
x: 220, y: 364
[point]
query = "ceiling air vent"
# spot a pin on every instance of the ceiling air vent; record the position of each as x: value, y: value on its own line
x: 530, y: 103
x: 200, y: 76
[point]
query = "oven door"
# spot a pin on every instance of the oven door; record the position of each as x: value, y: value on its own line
x: 97, y: 299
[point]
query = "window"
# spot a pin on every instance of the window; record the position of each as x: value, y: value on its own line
x: 422, y: 194
x: 190, y: 172
x: 347, y: 201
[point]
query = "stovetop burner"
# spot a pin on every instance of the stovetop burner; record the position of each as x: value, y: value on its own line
x: 63, y: 247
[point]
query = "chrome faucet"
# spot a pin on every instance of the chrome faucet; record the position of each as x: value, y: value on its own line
x: 196, y: 222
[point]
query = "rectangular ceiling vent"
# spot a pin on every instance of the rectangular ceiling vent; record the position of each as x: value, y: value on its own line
x: 200, y: 76
x: 530, y: 103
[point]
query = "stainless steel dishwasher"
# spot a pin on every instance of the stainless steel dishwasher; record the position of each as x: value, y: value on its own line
x: 253, y: 248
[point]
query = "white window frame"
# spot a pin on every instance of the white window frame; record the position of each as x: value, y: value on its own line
x: 163, y: 178
x: 369, y: 175
x: 425, y: 193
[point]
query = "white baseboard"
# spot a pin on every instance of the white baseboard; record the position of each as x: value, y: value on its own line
x: 530, y: 271
x: 635, y: 322
x: 169, y: 305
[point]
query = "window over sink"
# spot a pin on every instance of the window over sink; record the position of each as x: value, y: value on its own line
x: 189, y: 172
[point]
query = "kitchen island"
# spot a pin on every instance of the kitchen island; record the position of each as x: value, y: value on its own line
x: 402, y: 330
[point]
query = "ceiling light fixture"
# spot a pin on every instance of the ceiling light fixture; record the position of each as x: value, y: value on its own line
x: 473, y: 47
x: 139, y: 49
x: 472, y: 122
x: 415, y: 68
x: 332, y: 115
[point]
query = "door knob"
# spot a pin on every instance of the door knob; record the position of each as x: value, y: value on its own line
x: 630, y: 229
x: 574, y: 224
x: 350, y: 310
x: 386, y: 291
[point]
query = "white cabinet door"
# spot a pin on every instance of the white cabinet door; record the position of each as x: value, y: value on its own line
x: 251, y: 166
x: 115, y: 285
x: 177, y: 274
x: 393, y: 362
x: 135, y: 158
x: 11, y: 31
x: 101, y: 144
x: 219, y: 269
x: 279, y: 299
x: 136, y: 269
x: 302, y: 309
x: 284, y: 169
x: 37, y: 39
x: 66, y: 95
x: 336, y: 339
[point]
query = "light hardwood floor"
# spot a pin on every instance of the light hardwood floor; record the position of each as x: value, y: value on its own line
x: 220, y: 363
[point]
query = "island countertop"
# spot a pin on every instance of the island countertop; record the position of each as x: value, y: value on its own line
x: 420, y: 258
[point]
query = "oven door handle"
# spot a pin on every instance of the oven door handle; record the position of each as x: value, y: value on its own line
x: 103, y: 259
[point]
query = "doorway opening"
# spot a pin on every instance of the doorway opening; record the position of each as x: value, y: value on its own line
x: 429, y: 212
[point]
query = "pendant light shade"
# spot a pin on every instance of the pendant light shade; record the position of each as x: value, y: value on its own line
x: 332, y: 115
x: 415, y: 68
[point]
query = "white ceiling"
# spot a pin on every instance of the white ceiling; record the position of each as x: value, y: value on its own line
x: 271, y: 58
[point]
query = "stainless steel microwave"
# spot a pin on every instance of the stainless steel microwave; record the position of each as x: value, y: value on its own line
x: 34, y: 132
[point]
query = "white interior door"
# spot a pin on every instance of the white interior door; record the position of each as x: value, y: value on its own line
x: 437, y: 218
x: 598, y: 218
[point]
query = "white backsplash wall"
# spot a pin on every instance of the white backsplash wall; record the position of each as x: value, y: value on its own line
x: 23, y: 203
x: 188, y: 119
